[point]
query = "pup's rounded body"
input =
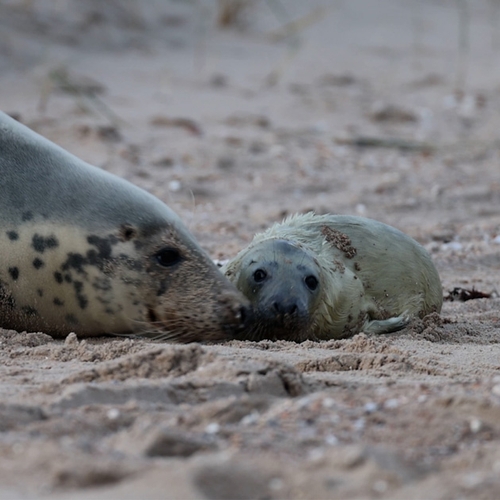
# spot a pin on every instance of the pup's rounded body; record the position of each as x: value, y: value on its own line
x: 84, y: 251
x: 331, y: 276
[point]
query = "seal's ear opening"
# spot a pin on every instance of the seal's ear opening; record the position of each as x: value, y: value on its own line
x: 127, y: 232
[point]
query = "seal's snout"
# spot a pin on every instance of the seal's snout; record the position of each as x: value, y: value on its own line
x: 244, y: 316
x: 236, y: 310
x: 281, y: 316
x: 285, y: 308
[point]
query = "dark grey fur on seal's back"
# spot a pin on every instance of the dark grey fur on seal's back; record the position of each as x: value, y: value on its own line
x: 62, y: 182
x: 85, y: 251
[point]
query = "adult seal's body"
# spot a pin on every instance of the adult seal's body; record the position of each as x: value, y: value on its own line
x: 84, y: 251
x: 331, y: 276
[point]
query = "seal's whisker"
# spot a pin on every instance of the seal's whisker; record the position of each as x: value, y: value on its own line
x: 155, y: 335
x: 156, y: 331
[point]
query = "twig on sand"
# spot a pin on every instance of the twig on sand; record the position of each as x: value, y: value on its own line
x: 390, y: 142
x: 463, y: 294
x: 275, y: 75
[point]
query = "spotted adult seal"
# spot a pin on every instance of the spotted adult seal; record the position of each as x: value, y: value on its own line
x: 87, y: 252
x: 331, y: 276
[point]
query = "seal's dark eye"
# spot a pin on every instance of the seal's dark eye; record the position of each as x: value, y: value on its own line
x: 259, y: 276
x: 311, y: 282
x: 167, y: 257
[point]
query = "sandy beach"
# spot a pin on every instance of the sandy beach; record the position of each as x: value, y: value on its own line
x: 236, y: 119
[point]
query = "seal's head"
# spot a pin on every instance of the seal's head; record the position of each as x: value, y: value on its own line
x: 185, y: 298
x: 331, y: 276
x: 283, y: 283
x: 87, y: 252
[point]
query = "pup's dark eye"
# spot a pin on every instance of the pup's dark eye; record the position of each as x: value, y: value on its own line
x: 259, y: 276
x: 167, y: 257
x: 311, y: 282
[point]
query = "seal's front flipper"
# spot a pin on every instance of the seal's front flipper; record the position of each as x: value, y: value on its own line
x: 386, y: 325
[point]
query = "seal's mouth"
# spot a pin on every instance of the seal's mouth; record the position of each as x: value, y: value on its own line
x: 277, y: 318
x: 276, y: 327
x: 172, y: 326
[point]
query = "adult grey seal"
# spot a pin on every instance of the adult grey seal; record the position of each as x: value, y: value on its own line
x: 331, y: 276
x: 87, y: 252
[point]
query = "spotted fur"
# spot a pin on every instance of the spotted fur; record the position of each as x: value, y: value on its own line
x: 85, y: 251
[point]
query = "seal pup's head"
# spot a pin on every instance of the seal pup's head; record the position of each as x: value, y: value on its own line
x: 283, y: 283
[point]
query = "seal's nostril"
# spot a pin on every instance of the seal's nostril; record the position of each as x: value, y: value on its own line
x: 152, y: 315
x: 285, y: 308
x: 244, y: 315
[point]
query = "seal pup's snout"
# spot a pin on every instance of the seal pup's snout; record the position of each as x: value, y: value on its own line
x: 284, y: 305
x: 285, y: 314
x: 285, y: 309
x: 287, y: 306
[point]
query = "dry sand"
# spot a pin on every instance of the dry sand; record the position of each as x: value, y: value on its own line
x: 234, y: 129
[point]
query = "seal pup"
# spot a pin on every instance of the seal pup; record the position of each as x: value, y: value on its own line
x: 332, y: 276
x: 87, y: 252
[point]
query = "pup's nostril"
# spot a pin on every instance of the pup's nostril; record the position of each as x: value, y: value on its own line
x: 281, y: 308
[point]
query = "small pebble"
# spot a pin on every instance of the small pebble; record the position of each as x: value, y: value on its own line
x: 475, y: 425
x: 391, y: 404
x: 250, y: 419
x: 212, y: 428
x: 174, y: 186
x: 496, y: 390
x: 328, y: 403
x: 331, y: 440
x: 452, y: 245
x: 360, y: 209
x: 370, y: 407
x: 113, y: 413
